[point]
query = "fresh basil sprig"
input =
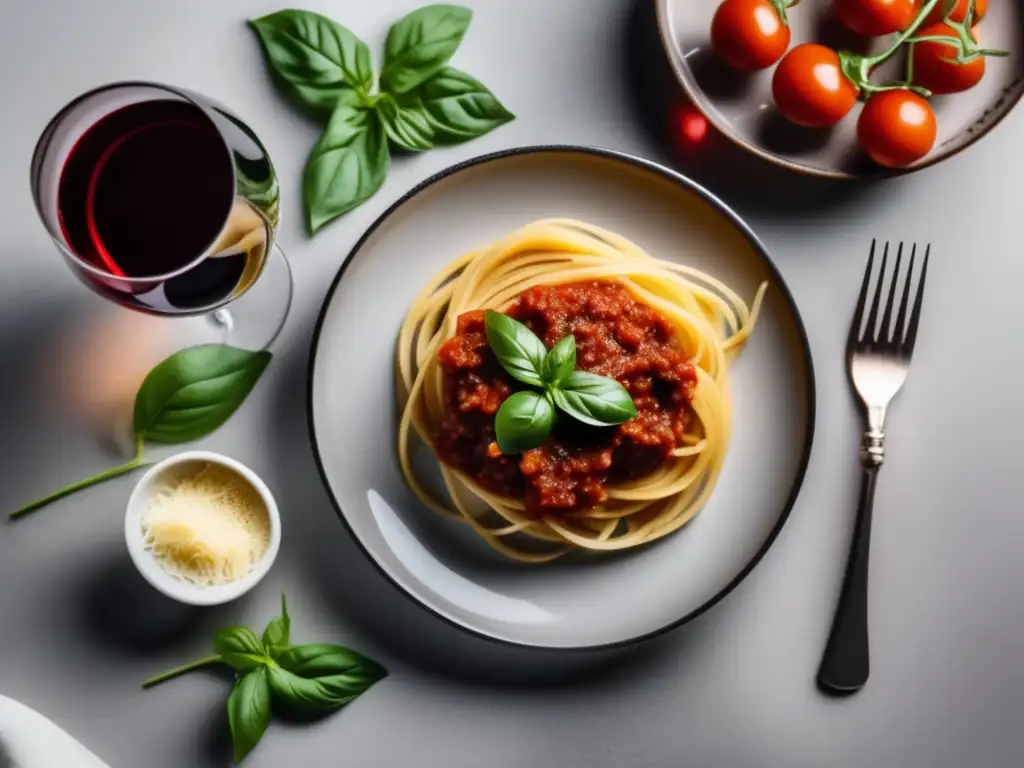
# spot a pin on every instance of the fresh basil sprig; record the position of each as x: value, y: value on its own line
x: 526, y: 418
x: 421, y: 103
x: 185, y: 397
x: 271, y: 670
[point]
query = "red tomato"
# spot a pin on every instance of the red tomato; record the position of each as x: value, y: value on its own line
x: 959, y: 12
x: 933, y: 68
x: 810, y: 88
x: 748, y: 34
x: 896, y: 128
x: 876, y: 17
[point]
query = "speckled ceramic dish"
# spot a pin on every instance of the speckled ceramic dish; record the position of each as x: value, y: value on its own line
x: 584, y: 601
x: 741, y: 107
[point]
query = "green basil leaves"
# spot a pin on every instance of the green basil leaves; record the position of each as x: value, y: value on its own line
x: 193, y: 392
x: 560, y: 362
x: 271, y: 670
x: 420, y: 44
x: 277, y: 637
x: 594, y: 400
x: 458, y: 107
x: 249, y: 711
x: 239, y: 648
x: 348, y: 164
x: 314, y: 58
x: 518, y: 350
x: 523, y: 422
x: 422, y: 102
x: 526, y: 418
x: 185, y: 397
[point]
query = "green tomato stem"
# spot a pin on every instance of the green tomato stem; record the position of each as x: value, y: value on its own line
x: 780, y: 8
x: 207, y: 662
x: 874, y: 61
x: 108, y: 474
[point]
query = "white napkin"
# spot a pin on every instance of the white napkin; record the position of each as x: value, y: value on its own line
x: 29, y: 740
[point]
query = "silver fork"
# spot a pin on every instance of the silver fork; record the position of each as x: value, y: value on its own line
x: 878, y: 358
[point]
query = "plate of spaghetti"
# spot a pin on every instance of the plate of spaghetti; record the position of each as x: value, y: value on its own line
x: 561, y: 397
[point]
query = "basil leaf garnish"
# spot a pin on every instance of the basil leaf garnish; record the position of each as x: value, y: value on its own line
x: 348, y: 164
x: 458, y: 106
x: 595, y: 400
x: 523, y: 422
x: 304, y: 676
x: 315, y: 58
x: 420, y: 44
x: 240, y: 648
x: 407, y: 127
x: 323, y: 692
x: 193, y: 392
x: 277, y: 637
x: 321, y: 659
x: 517, y: 348
x: 249, y: 711
x: 560, y: 362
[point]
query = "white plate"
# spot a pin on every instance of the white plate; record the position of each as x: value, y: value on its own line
x: 591, y: 601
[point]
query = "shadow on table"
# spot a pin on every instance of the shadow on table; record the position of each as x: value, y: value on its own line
x: 123, y: 613
x: 351, y: 585
x: 682, y: 138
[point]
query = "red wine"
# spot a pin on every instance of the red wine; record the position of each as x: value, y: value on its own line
x: 146, y: 189
x: 145, y: 192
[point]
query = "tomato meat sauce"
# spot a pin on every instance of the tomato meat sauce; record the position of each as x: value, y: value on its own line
x: 617, y: 337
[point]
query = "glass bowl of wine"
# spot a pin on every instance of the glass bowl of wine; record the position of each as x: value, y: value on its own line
x: 165, y: 202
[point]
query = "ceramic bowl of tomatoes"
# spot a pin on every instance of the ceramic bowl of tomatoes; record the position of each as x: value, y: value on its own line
x: 848, y: 88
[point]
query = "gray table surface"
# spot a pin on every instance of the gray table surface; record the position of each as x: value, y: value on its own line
x: 735, y: 688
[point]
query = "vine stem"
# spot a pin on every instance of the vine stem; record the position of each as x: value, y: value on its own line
x: 858, y: 68
x: 108, y: 474
x: 208, y: 661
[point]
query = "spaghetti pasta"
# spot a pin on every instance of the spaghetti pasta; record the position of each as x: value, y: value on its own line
x: 708, y: 319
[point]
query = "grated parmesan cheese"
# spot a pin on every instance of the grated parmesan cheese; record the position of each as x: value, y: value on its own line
x: 209, y: 528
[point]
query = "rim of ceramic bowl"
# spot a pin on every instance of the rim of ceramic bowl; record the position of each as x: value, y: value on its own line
x: 760, y: 251
x: 183, y: 591
x: 696, y: 96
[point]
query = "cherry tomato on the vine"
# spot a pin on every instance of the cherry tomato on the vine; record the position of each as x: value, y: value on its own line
x: 810, y: 88
x: 896, y: 128
x: 959, y: 12
x: 749, y: 34
x: 935, y: 67
x: 876, y: 17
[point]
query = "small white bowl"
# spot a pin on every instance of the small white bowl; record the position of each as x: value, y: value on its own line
x: 150, y: 568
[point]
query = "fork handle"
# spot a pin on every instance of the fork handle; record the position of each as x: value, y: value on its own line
x: 845, y: 666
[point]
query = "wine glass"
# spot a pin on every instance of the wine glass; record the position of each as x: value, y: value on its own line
x: 165, y: 202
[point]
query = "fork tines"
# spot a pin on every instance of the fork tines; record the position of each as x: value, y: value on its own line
x: 899, y: 337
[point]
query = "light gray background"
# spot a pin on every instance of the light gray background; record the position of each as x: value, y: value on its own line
x: 735, y: 688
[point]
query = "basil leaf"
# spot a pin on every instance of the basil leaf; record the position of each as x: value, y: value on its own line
x: 458, y: 106
x: 420, y: 44
x: 193, y: 392
x: 239, y: 648
x: 348, y: 165
x: 518, y: 350
x: 277, y: 637
x: 407, y: 127
x: 523, y: 422
x: 324, y: 692
x: 249, y: 711
x: 560, y: 362
x: 315, y: 58
x: 595, y: 400
x: 319, y: 659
